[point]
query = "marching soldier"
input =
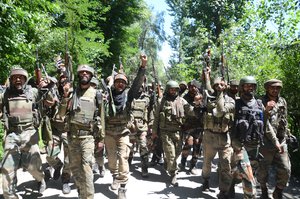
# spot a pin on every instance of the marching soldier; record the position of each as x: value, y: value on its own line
x: 82, y: 108
x: 169, y: 117
x: 118, y: 127
x: 216, y: 137
x: 19, y: 106
x: 276, y: 111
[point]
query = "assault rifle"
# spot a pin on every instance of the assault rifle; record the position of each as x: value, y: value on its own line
x: 68, y: 62
x: 37, y: 69
x: 223, y: 66
x: 156, y: 89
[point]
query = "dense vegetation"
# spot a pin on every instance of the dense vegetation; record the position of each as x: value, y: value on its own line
x: 258, y: 38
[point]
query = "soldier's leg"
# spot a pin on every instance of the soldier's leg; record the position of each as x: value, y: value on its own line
x: 196, y: 149
x: 142, y: 142
x: 53, y: 150
x: 169, y: 151
x: 112, y: 158
x: 225, y: 175
x: 246, y: 173
x: 66, y: 172
x: 209, y: 152
x: 186, y: 151
x: 75, y: 161
x: 10, y: 163
x: 87, y: 185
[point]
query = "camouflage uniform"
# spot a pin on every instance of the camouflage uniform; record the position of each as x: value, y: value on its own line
x: 278, y: 119
x: 82, y: 109
x: 117, y: 129
x: 139, y: 120
x: 168, y: 120
x: 216, y: 138
x: 192, y: 130
x: 58, y: 140
x: 21, y: 116
x: 250, y: 126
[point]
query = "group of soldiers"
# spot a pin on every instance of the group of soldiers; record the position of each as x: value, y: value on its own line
x: 88, y: 123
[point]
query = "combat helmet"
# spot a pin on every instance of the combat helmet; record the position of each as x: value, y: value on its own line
x: 172, y: 84
x: 95, y: 81
x: 85, y: 67
x: 273, y: 82
x: 121, y: 76
x: 18, y: 71
x: 247, y: 80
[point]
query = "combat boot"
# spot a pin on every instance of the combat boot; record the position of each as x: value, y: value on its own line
x: 115, y: 184
x: 174, y: 180
x: 277, y: 194
x: 122, y: 193
x: 205, y: 186
x: 56, y: 173
x: 222, y: 195
x: 101, y: 171
x: 47, y: 173
x: 182, y: 164
x: 42, y: 186
x: 264, y: 193
x: 145, y: 173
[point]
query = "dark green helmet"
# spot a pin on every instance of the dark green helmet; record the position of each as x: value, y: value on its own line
x: 172, y: 84
x: 247, y: 80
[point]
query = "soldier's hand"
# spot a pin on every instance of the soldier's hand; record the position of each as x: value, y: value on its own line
x: 144, y: 60
x: 279, y: 148
x: 67, y: 88
x: 198, y: 100
x: 270, y: 105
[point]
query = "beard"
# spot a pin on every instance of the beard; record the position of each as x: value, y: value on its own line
x: 248, y: 95
x: 85, y: 80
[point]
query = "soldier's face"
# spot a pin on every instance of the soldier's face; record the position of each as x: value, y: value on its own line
x: 173, y: 91
x: 248, y: 90
x: 193, y: 90
x: 85, y: 77
x: 18, y: 81
x: 120, y: 85
x: 273, y: 91
x: 234, y: 89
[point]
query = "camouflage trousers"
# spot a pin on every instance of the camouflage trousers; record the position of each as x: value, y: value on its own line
x: 20, y: 149
x: 172, y: 145
x: 193, y: 140
x: 282, y: 164
x: 243, y: 171
x: 54, y: 148
x: 214, y: 143
x: 99, y: 152
x: 140, y: 138
x: 118, y: 149
x: 81, y: 151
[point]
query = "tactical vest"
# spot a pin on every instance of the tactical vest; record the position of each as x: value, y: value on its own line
x: 167, y: 119
x: 139, y: 112
x: 218, y: 124
x: 278, y: 118
x: 83, y: 115
x: 19, y: 108
x: 249, y: 125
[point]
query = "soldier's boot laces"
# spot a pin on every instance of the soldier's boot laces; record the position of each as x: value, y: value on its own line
x: 222, y: 195
x: 42, y: 186
x: 66, y: 189
x: 205, y: 186
x: 264, y: 193
x: 56, y: 173
x: 122, y: 193
x: 174, y: 180
x: 277, y: 194
x: 114, y: 185
x: 101, y: 171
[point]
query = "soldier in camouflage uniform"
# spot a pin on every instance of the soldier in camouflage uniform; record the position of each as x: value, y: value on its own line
x: 169, y: 117
x: 98, y: 167
x: 82, y: 108
x: 216, y: 137
x: 19, y: 106
x: 118, y: 127
x: 58, y: 139
x: 192, y: 130
x: 250, y: 126
x: 139, y: 121
x: 183, y: 88
x: 276, y: 110
x: 233, y: 89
